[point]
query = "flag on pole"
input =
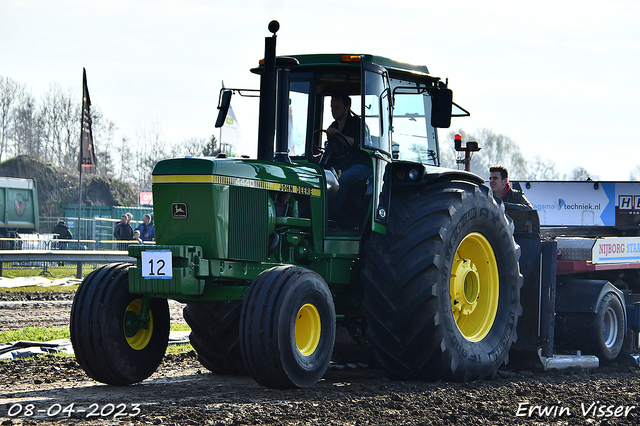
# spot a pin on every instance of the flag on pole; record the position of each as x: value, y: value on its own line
x: 87, y: 162
x: 230, y: 135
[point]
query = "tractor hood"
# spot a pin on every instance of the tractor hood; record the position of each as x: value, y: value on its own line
x: 243, y: 172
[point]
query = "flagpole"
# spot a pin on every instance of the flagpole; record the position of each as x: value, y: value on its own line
x: 87, y: 155
x: 79, y: 264
x: 79, y: 210
x: 220, y: 139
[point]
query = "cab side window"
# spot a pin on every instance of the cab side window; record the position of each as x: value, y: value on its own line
x: 376, y: 112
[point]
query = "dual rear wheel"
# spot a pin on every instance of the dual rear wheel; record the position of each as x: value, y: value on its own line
x: 282, y: 334
x: 287, y: 328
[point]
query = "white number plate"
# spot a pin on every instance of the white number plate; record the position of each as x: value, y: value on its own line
x: 157, y: 264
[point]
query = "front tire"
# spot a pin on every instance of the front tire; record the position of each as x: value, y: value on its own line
x: 442, y: 287
x: 287, y: 328
x: 107, y: 346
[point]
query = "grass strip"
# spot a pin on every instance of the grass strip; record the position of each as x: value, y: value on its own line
x: 39, y: 334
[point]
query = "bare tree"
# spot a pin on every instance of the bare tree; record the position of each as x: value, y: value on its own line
x: 579, y: 173
x: 71, y: 112
x: 10, y: 92
x: 211, y: 149
x: 495, y: 149
x: 26, y: 130
x: 103, y: 135
x: 54, y: 113
x: 149, y: 149
x: 125, y: 155
x: 539, y: 169
x: 196, y: 147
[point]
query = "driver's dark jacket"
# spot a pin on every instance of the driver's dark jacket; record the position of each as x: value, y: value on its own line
x: 516, y: 199
x: 343, y: 156
x: 520, y: 210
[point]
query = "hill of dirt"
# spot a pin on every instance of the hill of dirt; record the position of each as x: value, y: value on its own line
x: 58, y: 187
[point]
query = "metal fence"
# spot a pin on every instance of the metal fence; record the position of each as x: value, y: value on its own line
x: 45, y: 259
x: 96, y: 234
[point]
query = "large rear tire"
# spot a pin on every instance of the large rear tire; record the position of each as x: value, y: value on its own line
x: 442, y: 287
x: 214, y: 336
x: 287, y: 328
x: 108, y: 347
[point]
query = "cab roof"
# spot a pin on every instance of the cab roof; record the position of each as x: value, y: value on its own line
x: 335, y: 59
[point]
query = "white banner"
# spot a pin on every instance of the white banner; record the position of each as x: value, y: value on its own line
x: 616, y: 250
x: 585, y: 203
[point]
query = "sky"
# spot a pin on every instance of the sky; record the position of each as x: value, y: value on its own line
x: 560, y: 78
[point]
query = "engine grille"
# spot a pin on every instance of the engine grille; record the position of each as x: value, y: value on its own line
x: 248, y: 224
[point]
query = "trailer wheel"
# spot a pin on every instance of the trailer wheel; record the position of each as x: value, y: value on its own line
x: 600, y: 334
x: 214, y: 336
x: 287, y: 328
x: 442, y: 286
x: 108, y: 345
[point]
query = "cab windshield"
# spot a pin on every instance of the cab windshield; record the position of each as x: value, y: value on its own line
x: 413, y: 137
x: 310, y: 113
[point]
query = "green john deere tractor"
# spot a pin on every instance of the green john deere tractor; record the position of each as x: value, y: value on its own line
x: 419, y: 268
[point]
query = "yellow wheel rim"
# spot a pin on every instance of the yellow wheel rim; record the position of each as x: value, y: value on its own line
x: 474, y: 287
x: 142, y: 337
x: 307, y: 329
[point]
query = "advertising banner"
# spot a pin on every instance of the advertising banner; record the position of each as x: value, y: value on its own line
x: 585, y: 203
x: 146, y: 198
x: 616, y: 250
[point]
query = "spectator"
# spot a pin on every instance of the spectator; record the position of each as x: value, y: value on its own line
x: 147, y: 232
x: 123, y: 231
x: 63, y: 233
x: 136, y: 236
x: 62, y: 230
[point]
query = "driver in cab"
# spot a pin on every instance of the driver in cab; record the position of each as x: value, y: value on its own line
x: 353, y: 164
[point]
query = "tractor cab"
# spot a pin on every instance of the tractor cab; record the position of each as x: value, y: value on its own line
x: 362, y: 90
x: 398, y: 107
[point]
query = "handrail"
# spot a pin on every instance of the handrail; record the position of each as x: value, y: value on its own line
x: 65, y: 256
x: 78, y: 256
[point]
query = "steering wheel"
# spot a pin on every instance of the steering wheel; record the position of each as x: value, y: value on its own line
x: 330, y: 149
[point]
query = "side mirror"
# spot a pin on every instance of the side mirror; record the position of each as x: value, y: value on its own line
x: 223, y: 107
x: 442, y: 104
x: 395, y: 150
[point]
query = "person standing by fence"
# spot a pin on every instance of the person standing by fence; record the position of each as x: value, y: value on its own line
x: 63, y: 233
x: 147, y: 232
x: 123, y: 232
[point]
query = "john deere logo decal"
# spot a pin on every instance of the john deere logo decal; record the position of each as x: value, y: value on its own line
x: 179, y: 210
x: 20, y: 205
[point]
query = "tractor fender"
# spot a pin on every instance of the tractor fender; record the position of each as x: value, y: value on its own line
x: 584, y: 295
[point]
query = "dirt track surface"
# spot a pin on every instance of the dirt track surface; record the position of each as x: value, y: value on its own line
x: 19, y: 310
x: 181, y: 392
